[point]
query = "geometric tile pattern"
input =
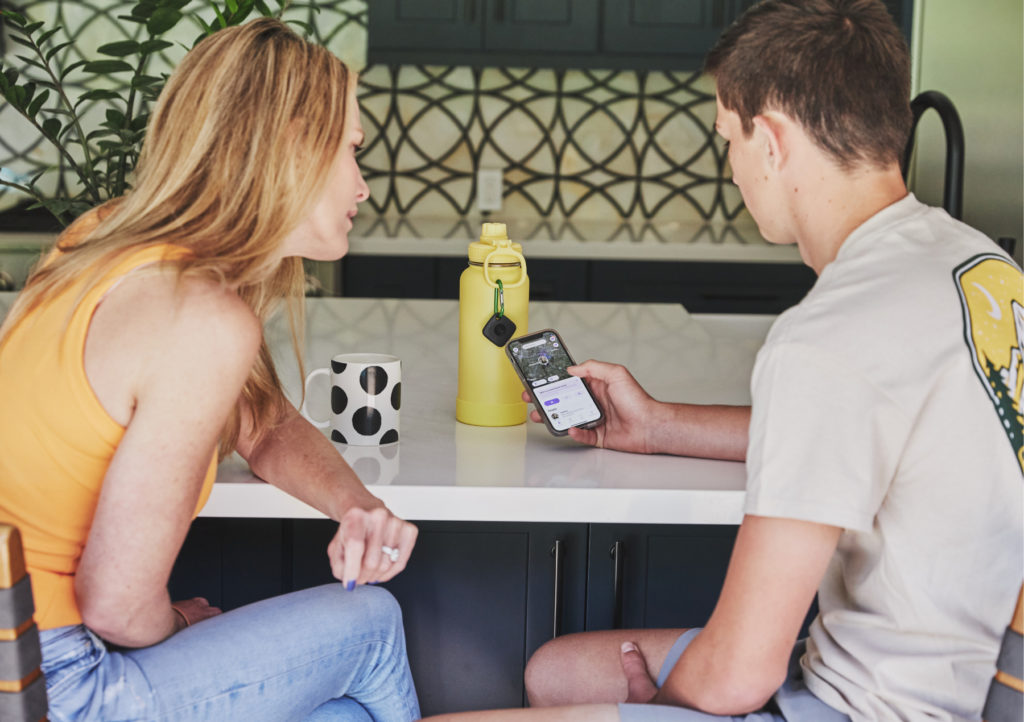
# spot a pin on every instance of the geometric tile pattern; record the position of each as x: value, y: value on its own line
x: 585, y: 144
x: 572, y: 144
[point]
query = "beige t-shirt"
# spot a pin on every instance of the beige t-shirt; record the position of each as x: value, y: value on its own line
x: 888, y: 403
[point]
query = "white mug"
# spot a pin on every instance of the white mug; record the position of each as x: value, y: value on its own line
x: 366, y: 395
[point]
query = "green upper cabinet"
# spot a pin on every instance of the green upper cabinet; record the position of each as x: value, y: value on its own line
x: 666, y: 34
x: 618, y: 34
x: 481, y: 32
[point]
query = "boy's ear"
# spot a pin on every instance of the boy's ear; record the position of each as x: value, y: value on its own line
x: 771, y: 127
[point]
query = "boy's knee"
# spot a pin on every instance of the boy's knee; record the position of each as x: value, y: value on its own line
x: 542, y: 675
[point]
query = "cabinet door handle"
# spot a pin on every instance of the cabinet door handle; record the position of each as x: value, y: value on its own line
x: 558, y: 552
x: 499, y: 11
x: 618, y: 555
x: 470, y: 10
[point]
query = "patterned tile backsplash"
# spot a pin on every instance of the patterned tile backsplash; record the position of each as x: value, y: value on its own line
x: 577, y: 144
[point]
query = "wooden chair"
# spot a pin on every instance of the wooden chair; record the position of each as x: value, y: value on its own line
x: 1005, y: 700
x: 22, y: 686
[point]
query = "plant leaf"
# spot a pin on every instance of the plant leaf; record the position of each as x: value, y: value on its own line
x: 15, y: 17
x: 36, y: 104
x: 23, y: 41
x: 74, y: 66
x: 55, y: 49
x: 41, y: 40
x: 31, y: 61
x: 29, y: 29
x: 144, y: 10
x: 220, y: 18
x: 100, y: 133
x: 103, y: 67
x: 119, y: 49
x: 67, y: 129
x: 35, y: 179
x: 51, y: 126
x: 307, y: 28
x: 97, y: 94
x: 139, y: 122
x: 163, y: 20
x: 115, y: 118
x: 145, y: 81
x: 154, y: 46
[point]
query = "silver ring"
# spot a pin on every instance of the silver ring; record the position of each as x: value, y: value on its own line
x: 391, y: 553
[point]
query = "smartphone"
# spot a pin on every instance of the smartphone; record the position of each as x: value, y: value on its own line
x: 563, y: 400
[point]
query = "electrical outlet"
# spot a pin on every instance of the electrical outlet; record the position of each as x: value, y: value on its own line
x: 488, y: 189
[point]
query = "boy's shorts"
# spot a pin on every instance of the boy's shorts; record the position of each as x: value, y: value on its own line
x: 792, y: 703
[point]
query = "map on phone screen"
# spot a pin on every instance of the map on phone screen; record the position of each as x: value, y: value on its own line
x: 562, y: 397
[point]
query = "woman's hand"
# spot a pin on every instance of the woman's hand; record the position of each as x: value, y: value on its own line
x: 356, y: 552
x: 628, y: 409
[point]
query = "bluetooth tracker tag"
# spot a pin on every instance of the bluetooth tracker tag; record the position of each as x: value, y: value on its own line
x: 499, y: 330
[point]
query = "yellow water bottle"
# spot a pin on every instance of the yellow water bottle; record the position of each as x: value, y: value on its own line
x: 494, y: 299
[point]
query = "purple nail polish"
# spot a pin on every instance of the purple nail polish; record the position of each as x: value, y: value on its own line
x: 350, y: 585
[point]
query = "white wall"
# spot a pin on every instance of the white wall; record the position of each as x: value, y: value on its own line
x: 972, y: 52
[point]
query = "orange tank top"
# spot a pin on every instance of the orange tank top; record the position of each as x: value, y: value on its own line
x: 57, y: 440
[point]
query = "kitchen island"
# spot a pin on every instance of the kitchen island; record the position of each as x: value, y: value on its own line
x: 523, y: 536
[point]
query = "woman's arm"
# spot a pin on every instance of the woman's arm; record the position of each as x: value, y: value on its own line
x: 297, y: 458
x: 168, y: 361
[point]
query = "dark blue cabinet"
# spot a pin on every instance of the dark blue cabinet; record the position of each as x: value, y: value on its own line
x: 700, y: 286
x: 478, y: 598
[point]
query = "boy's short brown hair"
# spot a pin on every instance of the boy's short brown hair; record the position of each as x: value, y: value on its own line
x: 839, y: 67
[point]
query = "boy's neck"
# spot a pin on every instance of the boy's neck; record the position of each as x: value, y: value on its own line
x: 832, y: 203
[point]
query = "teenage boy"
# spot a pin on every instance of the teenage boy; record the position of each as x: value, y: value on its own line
x: 883, y: 445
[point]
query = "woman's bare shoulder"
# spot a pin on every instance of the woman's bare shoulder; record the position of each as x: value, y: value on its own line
x: 155, y: 324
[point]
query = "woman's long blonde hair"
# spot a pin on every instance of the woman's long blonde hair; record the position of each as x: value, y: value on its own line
x: 238, y: 149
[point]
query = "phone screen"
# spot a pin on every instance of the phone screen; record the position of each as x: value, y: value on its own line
x: 541, y: 360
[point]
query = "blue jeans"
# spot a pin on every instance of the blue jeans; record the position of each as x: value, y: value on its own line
x: 318, y: 654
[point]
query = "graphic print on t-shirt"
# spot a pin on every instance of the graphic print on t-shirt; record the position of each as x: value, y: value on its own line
x: 992, y: 297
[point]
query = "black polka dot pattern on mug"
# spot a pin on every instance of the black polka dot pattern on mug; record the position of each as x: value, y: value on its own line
x: 374, y: 380
x: 339, y: 400
x: 366, y: 421
x: 366, y: 395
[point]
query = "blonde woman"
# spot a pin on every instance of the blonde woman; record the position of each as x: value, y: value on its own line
x: 134, y: 359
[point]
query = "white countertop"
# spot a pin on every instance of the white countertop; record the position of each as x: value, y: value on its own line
x: 444, y: 470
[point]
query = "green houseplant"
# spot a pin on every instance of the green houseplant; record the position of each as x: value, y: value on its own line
x: 101, y: 159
